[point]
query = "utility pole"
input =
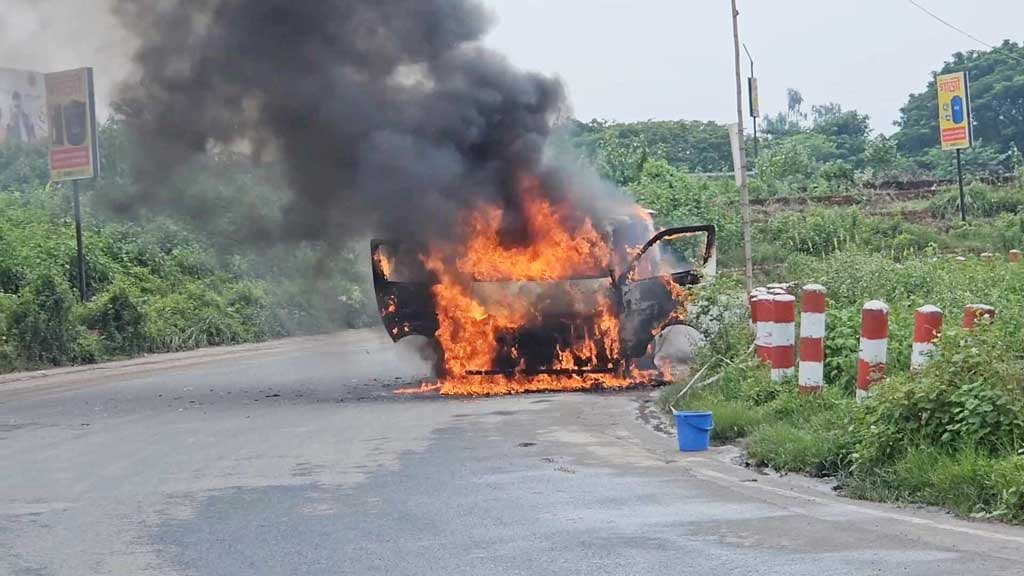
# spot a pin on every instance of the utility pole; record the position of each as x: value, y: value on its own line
x: 742, y: 168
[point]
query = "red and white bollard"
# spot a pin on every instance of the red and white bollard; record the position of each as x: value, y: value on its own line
x: 812, y: 339
x: 927, y: 329
x: 1015, y: 256
x: 762, y: 306
x: 778, y: 288
x: 750, y: 302
x: 974, y: 312
x: 783, y: 336
x: 874, y: 347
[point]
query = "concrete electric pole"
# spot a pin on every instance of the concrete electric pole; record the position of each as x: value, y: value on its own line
x: 742, y: 168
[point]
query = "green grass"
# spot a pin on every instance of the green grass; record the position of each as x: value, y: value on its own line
x: 818, y: 436
x: 813, y: 441
x: 969, y: 482
x: 787, y: 446
x: 734, y: 419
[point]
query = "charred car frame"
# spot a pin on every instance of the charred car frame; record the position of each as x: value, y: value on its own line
x: 647, y: 293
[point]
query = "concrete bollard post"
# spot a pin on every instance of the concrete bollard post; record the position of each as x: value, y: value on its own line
x: 750, y: 302
x: 874, y: 347
x: 778, y: 288
x: 812, y: 339
x: 783, y: 336
x: 763, y: 327
x: 927, y: 329
x: 987, y: 256
x: 974, y: 312
x: 1015, y: 256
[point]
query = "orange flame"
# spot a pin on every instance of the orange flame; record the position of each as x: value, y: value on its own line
x: 384, y: 264
x: 470, y: 326
x: 488, y: 292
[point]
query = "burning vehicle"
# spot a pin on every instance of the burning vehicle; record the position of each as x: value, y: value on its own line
x: 575, y: 304
x: 395, y: 120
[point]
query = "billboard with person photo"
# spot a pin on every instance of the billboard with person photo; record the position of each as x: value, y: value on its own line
x: 71, y: 103
x: 23, y: 116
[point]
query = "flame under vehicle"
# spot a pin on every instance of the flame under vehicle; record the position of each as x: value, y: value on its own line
x: 506, y: 330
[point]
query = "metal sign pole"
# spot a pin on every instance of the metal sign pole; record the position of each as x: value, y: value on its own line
x: 960, y: 179
x: 78, y: 239
x: 755, y: 139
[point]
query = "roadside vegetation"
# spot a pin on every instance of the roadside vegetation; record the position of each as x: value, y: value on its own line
x: 155, y: 284
x: 952, y: 435
x: 831, y: 210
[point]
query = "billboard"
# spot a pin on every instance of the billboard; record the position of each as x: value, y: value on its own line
x: 71, y: 108
x: 955, y: 130
x: 22, y: 106
x: 755, y: 102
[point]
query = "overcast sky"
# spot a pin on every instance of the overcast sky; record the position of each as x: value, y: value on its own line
x: 669, y: 59
x: 637, y: 59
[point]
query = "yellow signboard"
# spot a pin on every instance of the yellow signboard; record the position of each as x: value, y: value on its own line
x: 71, y: 105
x: 954, y: 111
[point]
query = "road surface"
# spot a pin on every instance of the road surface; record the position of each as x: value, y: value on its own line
x: 295, y: 457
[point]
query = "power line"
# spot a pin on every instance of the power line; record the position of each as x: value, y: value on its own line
x: 962, y: 31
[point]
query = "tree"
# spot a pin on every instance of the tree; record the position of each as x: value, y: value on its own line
x: 780, y: 126
x: 620, y: 150
x: 997, y: 99
x: 848, y: 130
x: 794, y: 101
x: 789, y: 122
x: 786, y: 162
x: 831, y: 120
x: 880, y: 155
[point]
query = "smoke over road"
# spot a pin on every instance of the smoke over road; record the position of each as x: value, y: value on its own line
x: 389, y: 116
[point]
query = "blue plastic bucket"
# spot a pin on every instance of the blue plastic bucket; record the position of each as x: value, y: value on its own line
x: 694, y: 430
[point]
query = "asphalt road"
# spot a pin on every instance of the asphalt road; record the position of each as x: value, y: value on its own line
x: 296, y: 458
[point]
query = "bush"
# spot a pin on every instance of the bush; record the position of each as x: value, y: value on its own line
x: 120, y: 321
x: 139, y: 269
x: 1008, y: 484
x: 680, y: 199
x: 823, y: 232
x: 969, y: 396
x: 982, y: 201
x: 8, y: 356
x: 41, y: 324
x: 192, y: 318
x: 23, y: 166
x: 249, y: 302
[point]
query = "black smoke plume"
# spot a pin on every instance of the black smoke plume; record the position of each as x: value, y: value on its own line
x: 389, y: 116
